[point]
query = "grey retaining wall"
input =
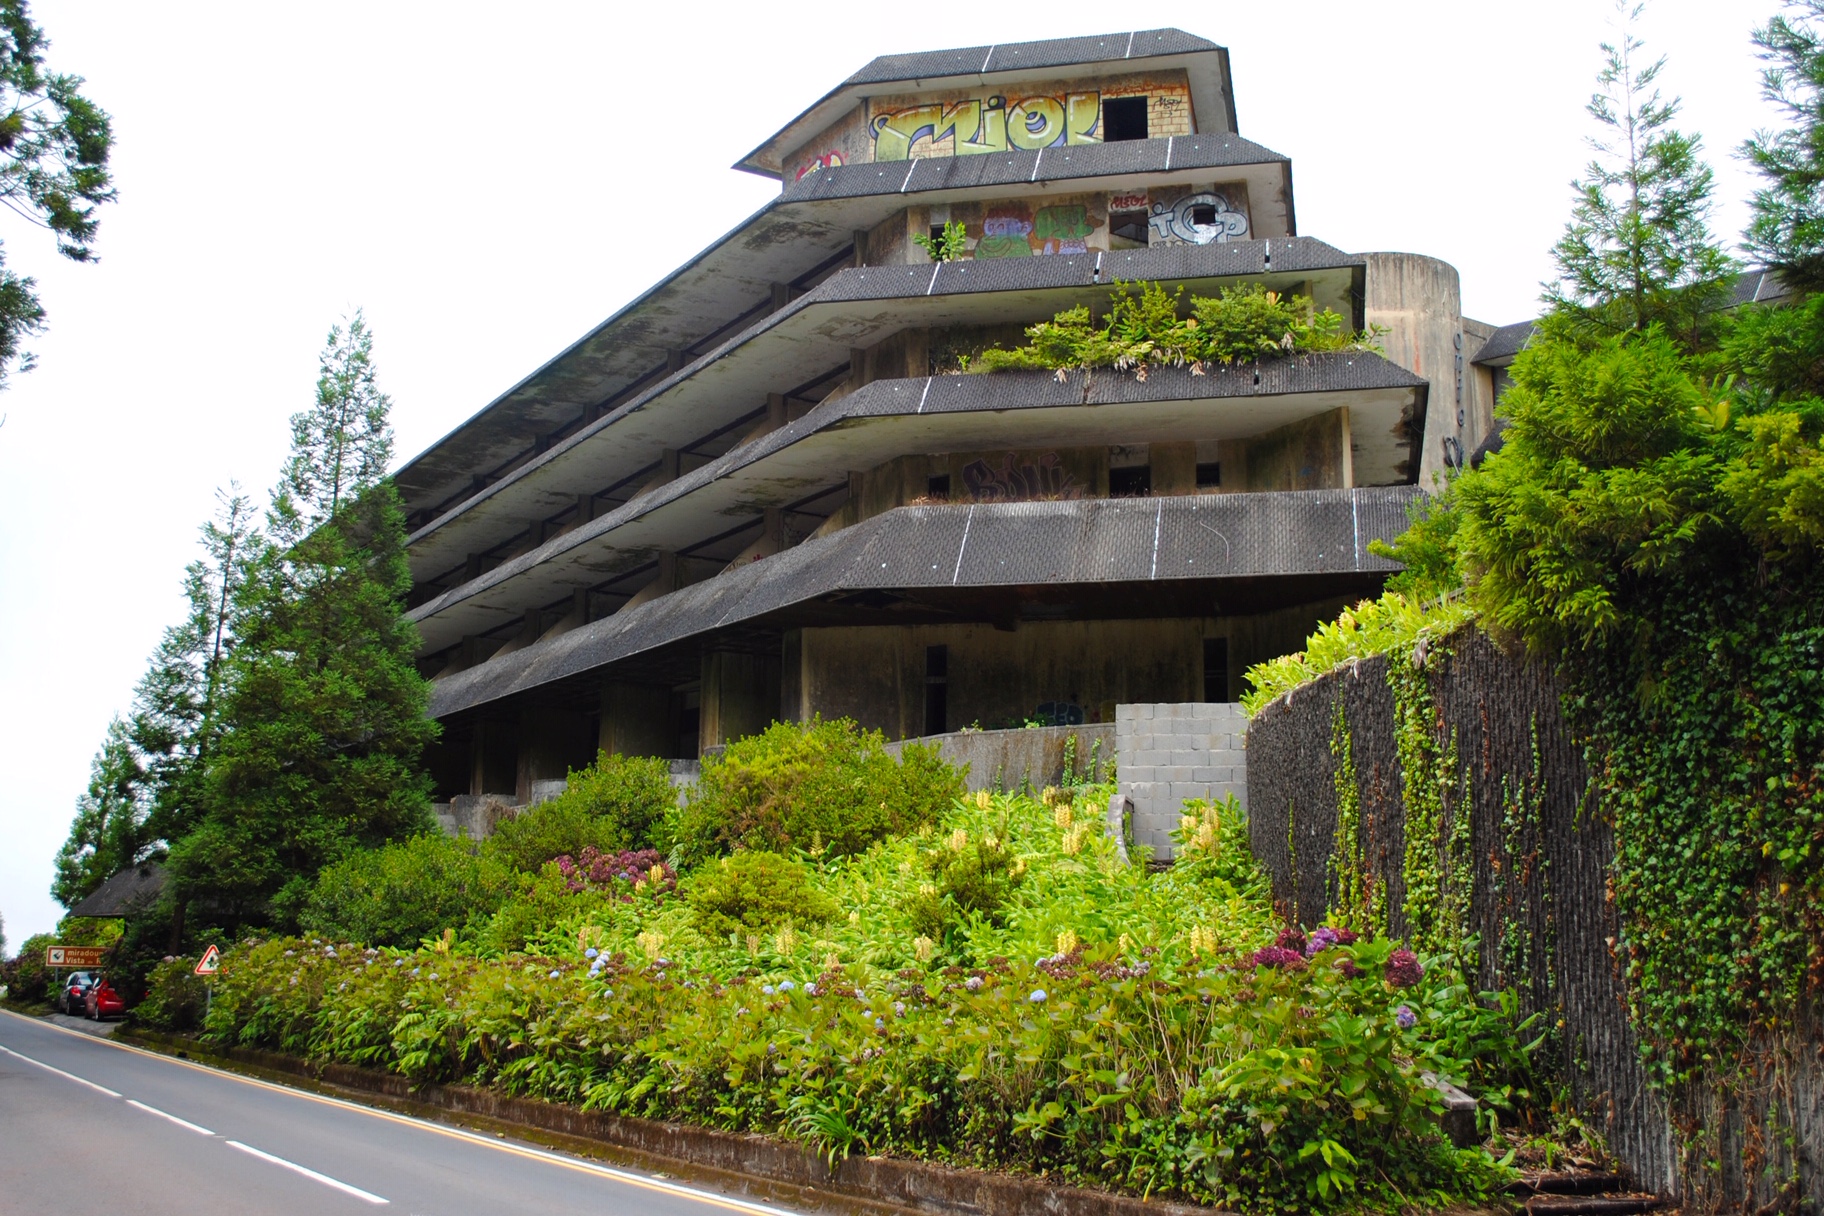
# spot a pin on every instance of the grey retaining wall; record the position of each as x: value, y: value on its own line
x: 1034, y: 755
x: 1168, y: 753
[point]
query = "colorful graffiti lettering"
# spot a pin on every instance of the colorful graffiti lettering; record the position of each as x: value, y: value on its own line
x: 976, y: 127
x: 1017, y: 481
x: 1127, y: 202
x: 1004, y: 234
x: 1199, y: 219
x: 828, y: 160
x: 1062, y: 229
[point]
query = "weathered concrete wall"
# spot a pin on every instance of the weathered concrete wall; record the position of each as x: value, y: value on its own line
x: 1032, y: 756
x: 1310, y: 454
x: 1538, y: 892
x: 1419, y: 301
x: 1169, y: 753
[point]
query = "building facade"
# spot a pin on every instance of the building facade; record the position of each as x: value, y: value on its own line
x: 761, y: 492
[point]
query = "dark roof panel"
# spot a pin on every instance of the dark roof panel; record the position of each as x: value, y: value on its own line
x: 1025, y: 56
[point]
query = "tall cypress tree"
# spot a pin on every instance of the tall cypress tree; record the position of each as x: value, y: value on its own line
x: 1638, y: 250
x: 323, y: 711
x: 109, y: 831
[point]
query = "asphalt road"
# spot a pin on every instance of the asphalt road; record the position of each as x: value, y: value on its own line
x: 89, y: 1125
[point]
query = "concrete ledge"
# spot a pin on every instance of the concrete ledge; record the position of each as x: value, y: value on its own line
x: 918, y: 1186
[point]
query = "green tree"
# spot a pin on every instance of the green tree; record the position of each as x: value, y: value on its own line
x: 109, y: 831
x: 54, y: 147
x: 1786, y: 228
x: 1638, y: 249
x: 323, y: 722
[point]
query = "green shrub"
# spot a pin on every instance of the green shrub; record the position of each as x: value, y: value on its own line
x: 1211, y: 845
x: 176, y: 996
x: 971, y: 876
x: 1142, y: 327
x: 540, y: 834
x: 752, y: 892
x: 405, y: 891
x: 627, y: 795
x: 828, y: 786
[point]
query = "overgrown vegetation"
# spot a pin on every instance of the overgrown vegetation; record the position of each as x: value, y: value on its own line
x: 1142, y: 327
x: 1079, y: 1016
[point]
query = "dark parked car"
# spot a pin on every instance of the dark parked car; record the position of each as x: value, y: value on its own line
x: 74, y: 991
x: 101, y: 1001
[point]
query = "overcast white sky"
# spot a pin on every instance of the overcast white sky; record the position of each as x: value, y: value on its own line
x: 491, y: 181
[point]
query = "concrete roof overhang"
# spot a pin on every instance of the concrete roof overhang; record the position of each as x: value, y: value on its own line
x: 1153, y: 553
x: 816, y: 333
x: 1212, y: 98
x: 792, y: 237
x: 943, y: 413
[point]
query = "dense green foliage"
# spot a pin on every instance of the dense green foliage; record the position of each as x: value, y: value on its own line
x: 1142, y: 327
x: 405, y: 891
x: 1111, y: 1026
x: 615, y: 803
x: 1369, y: 628
x: 816, y: 785
x: 54, y: 149
x: 754, y: 892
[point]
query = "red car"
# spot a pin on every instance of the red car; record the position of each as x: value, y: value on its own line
x: 101, y: 1001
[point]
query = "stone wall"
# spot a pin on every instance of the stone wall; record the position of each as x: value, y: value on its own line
x: 1167, y: 753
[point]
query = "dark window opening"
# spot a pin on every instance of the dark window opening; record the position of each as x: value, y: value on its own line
x: 1123, y: 118
x: 1209, y: 475
x: 1203, y: 215
x: 1135, y: 481
x: 1215, y: 669
x: 938, y: 487
x: 1130, y: 226
x: 937, y: 689
x: 937, y: 234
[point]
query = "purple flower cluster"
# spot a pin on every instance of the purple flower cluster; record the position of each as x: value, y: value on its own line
x: 1405, y: 1018
x: 1404, y: 969
x: 1282, y: 957
x: 1324, y: 937
x: 595, y: 869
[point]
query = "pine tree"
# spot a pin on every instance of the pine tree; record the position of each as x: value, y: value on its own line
x: 323, y: 711
x: 1786, y: 231
x: 1638, y: 249
x: 109, y: 831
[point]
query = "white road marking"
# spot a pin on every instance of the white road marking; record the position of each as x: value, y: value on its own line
x: 68, y: 1076
x: 153, y: 1110
x: 648, y: 1182
x: 295, y: 1168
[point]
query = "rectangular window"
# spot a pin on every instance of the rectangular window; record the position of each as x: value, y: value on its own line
x: 1215, y: 669
x: 1129, y: 226
x: 938, y: 487
x: 1134, y: 481
x: 1209, y: 475
x: 1123, y: 118
x: 937, y: 689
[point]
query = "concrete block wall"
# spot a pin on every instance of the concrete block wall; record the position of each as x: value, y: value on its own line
x: 1169, y: 752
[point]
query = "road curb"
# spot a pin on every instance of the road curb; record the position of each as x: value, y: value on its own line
x: 917, y: 1186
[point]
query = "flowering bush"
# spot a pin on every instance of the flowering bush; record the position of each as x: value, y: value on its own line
x: 1109, y: 1027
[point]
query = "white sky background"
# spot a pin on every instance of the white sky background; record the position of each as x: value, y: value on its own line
x: 490, y: 182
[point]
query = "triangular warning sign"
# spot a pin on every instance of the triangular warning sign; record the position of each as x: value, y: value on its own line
x: 210, y: 963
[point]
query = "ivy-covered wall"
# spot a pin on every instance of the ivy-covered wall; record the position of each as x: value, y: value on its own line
x: 1493, y: 842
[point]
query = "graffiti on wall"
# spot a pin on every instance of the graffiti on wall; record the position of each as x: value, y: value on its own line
x: 826, y: 160
x: 1198, y: 219
x: 1020, y: 478
x: 992, y: 125
x: 1016, y: 230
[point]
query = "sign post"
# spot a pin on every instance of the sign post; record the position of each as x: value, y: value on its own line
x: 207, y: 966
x: 74, y: 956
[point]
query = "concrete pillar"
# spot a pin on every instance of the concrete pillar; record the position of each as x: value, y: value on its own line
x: 740, y: 695
x: 1174, y: 467
x: 782, y: 295
x: 636, y: 720
x: 791, y: 677
x: 663, y: 583
x: 1419, y: 301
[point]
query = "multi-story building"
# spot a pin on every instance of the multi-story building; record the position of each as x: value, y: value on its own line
x: 761, y: 492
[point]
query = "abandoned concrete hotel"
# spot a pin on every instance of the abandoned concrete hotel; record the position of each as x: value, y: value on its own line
x: 759, y: 492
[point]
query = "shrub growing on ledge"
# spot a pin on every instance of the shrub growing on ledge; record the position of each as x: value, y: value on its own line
x: 1143, y: 327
